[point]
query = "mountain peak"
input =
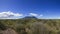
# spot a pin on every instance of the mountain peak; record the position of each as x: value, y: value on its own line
x: 30, y: 17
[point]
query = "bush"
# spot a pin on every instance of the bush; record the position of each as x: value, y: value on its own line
x: 2, y: 26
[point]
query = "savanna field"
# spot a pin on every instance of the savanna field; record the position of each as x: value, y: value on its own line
x: 29, y: 25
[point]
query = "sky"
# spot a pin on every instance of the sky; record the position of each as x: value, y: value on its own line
x: 43, y: 9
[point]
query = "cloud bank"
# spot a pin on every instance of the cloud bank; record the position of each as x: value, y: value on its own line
x: 9, y: 15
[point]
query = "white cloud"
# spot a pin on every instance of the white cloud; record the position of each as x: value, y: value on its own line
x: 12, y: 15
x: 40, y: 15
x: 33, y: 14
x: 9, y: 15
x: 36, y: 15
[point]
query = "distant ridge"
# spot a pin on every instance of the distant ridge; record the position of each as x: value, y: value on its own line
x: 30, y: 17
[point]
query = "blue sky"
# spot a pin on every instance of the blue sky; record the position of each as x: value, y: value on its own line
x: 39, y: 8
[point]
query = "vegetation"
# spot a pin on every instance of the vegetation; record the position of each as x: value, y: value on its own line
x: 31, y: 25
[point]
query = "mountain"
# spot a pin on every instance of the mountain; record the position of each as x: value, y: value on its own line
x: 30, y: 17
